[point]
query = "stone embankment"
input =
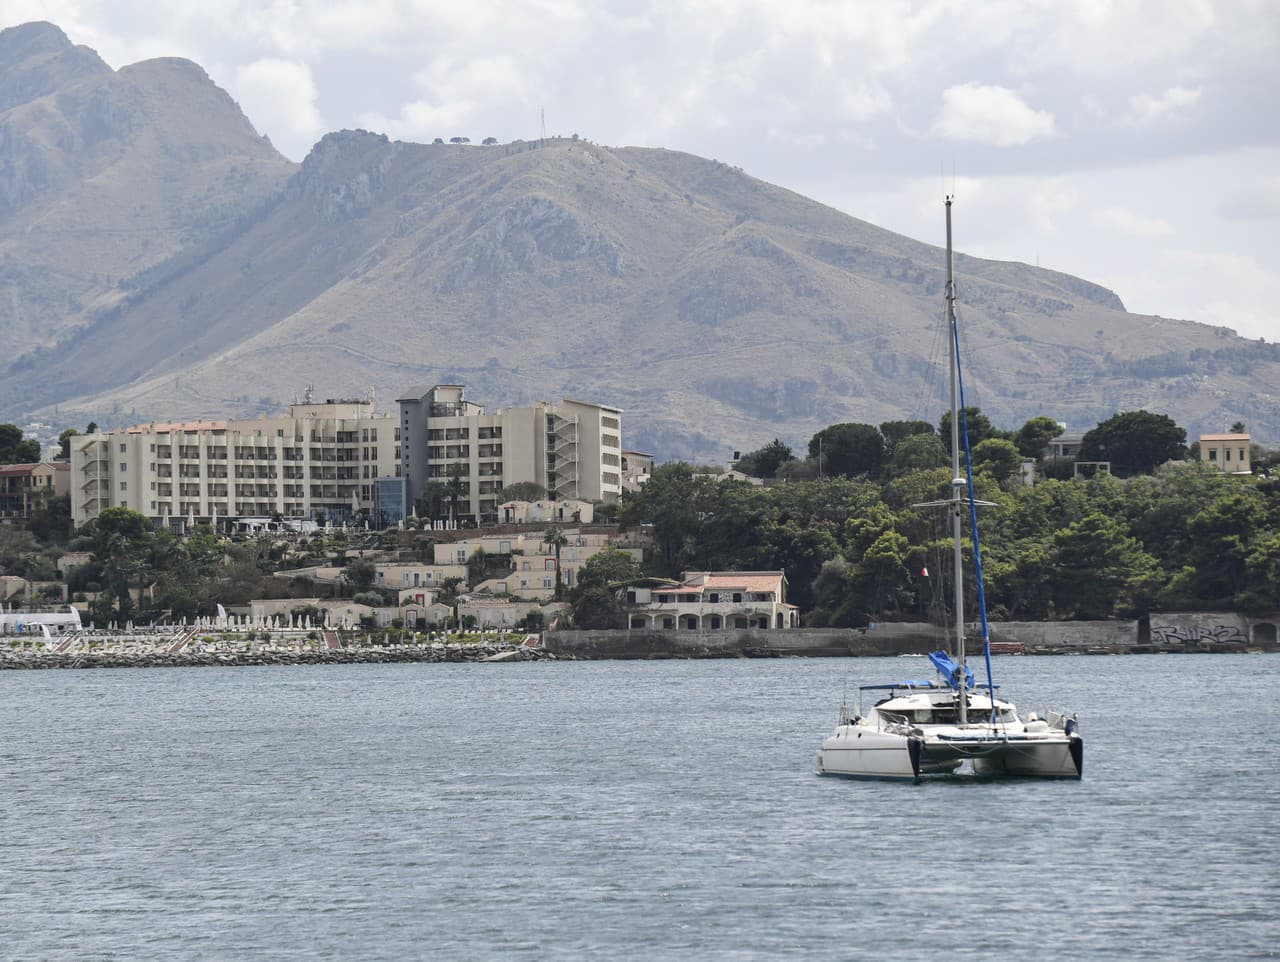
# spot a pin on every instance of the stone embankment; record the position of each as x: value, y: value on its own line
x: 888, y: 639
x: 28, y: 659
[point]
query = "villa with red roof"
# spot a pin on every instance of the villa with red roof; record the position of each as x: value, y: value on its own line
x: 24, y: 487
x: 713, y: 600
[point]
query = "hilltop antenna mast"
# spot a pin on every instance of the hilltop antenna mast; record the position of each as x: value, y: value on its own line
x: 542, y: 136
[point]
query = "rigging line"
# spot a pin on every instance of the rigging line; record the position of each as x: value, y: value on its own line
x: 973, y: 521
x: 927, y: 390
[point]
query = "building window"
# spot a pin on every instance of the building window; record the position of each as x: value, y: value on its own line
x: 1213, y: 454
x: 124, y: 485
x: 123, y: 448
x: 125, y: 467
x: 1227, y: 452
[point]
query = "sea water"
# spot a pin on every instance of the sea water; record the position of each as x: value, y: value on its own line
x: 625, y: 810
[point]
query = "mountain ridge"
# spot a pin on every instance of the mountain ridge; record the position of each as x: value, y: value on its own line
x: 716, y: 309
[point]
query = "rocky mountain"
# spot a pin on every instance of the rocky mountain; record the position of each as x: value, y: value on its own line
x: 106, y: 175
x: 717, y: 310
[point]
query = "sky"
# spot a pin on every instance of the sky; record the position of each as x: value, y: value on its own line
x: 1134, y: 143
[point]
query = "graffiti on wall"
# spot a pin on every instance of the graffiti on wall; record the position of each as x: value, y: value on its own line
x: 1182, y: 635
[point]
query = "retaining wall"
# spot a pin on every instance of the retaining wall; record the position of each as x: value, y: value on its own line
x: 1173, y: 632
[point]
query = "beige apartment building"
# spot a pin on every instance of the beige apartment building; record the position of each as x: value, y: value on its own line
x: 573, y: 449
x: 320, y: 461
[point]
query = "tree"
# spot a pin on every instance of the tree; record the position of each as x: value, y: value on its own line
x: 1100, y: 571
x: 489, y: 141
x: 1033, y: 437
x: 50, y: 522
x: 676, y: 502
x: 64, y: 443
x: 606, y: 569
x: 1134, y: 442
x: 13, y: 449
x: 918, y: 452
x: 455, y: 488
x: 998, y: 458
x: 438, y: 140
x: 430, y: 504
x: 360, y: 573
x: 121, y: 543
x: 764, y: 462
x: 895, y: 431
x: 555, y: 539
x: 977, y: 424
x: 523, y: 491
x: 848, y: 450
x: 459, y: 140
x: 598, y: 608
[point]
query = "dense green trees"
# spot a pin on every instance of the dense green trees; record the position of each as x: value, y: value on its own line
x: 523, y: 491
x: 848, y: 450
x: 855, y: 550
x: 14, y: 449
x: 766, y: 461
x: 1134, y: 442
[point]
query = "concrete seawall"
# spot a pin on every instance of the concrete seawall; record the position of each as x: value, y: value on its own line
x: 1181, y: 632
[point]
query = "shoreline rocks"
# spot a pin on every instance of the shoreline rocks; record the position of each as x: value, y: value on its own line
x: 374, y: 655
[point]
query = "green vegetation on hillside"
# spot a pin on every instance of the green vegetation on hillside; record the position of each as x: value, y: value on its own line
x: 856, y: 550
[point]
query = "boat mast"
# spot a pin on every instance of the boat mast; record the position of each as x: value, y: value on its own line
x: 957, y: 480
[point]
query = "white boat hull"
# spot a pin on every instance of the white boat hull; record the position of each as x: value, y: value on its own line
x: 856, y: 751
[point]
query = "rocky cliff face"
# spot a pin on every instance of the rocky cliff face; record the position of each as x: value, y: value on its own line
x: 104, y: 177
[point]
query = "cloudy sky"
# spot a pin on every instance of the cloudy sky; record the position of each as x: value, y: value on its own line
x: 1135, y: 143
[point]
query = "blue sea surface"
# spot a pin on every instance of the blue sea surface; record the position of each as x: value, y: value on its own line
x: 625, y: 810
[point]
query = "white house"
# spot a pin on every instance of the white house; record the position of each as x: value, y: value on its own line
x: 713, y: 600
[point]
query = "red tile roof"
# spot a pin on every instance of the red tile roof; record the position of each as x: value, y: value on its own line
x: 746, y: 580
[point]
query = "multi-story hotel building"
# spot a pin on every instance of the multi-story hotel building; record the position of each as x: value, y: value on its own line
x: 320, y: 460
x: 573, y: 449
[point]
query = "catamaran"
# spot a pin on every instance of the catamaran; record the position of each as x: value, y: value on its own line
x: 937, y: 727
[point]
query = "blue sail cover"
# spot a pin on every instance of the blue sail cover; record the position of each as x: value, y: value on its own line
x: 948, y: 668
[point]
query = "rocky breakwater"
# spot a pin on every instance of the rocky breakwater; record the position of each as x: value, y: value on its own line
x: 198, y: 658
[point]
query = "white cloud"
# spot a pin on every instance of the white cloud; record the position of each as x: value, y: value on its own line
x: 862, y: 101
x: 1227, y: 289
x: 280, y: 98
x: 453, y: 90
x: 990, y: 115
x: 1258, y: 199
x: 1049, y: 201
x: 1125, y: 221
x: 1173, y: 105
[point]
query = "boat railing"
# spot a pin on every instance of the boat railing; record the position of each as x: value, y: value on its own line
x: 1060, y: 720
x: 894, y: 723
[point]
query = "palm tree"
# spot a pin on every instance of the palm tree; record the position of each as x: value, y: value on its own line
x: 556, y: 539
x: 455, y: 489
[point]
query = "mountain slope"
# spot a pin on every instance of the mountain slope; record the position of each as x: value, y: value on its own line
x: 104, y: 175
x: 717, y: 310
